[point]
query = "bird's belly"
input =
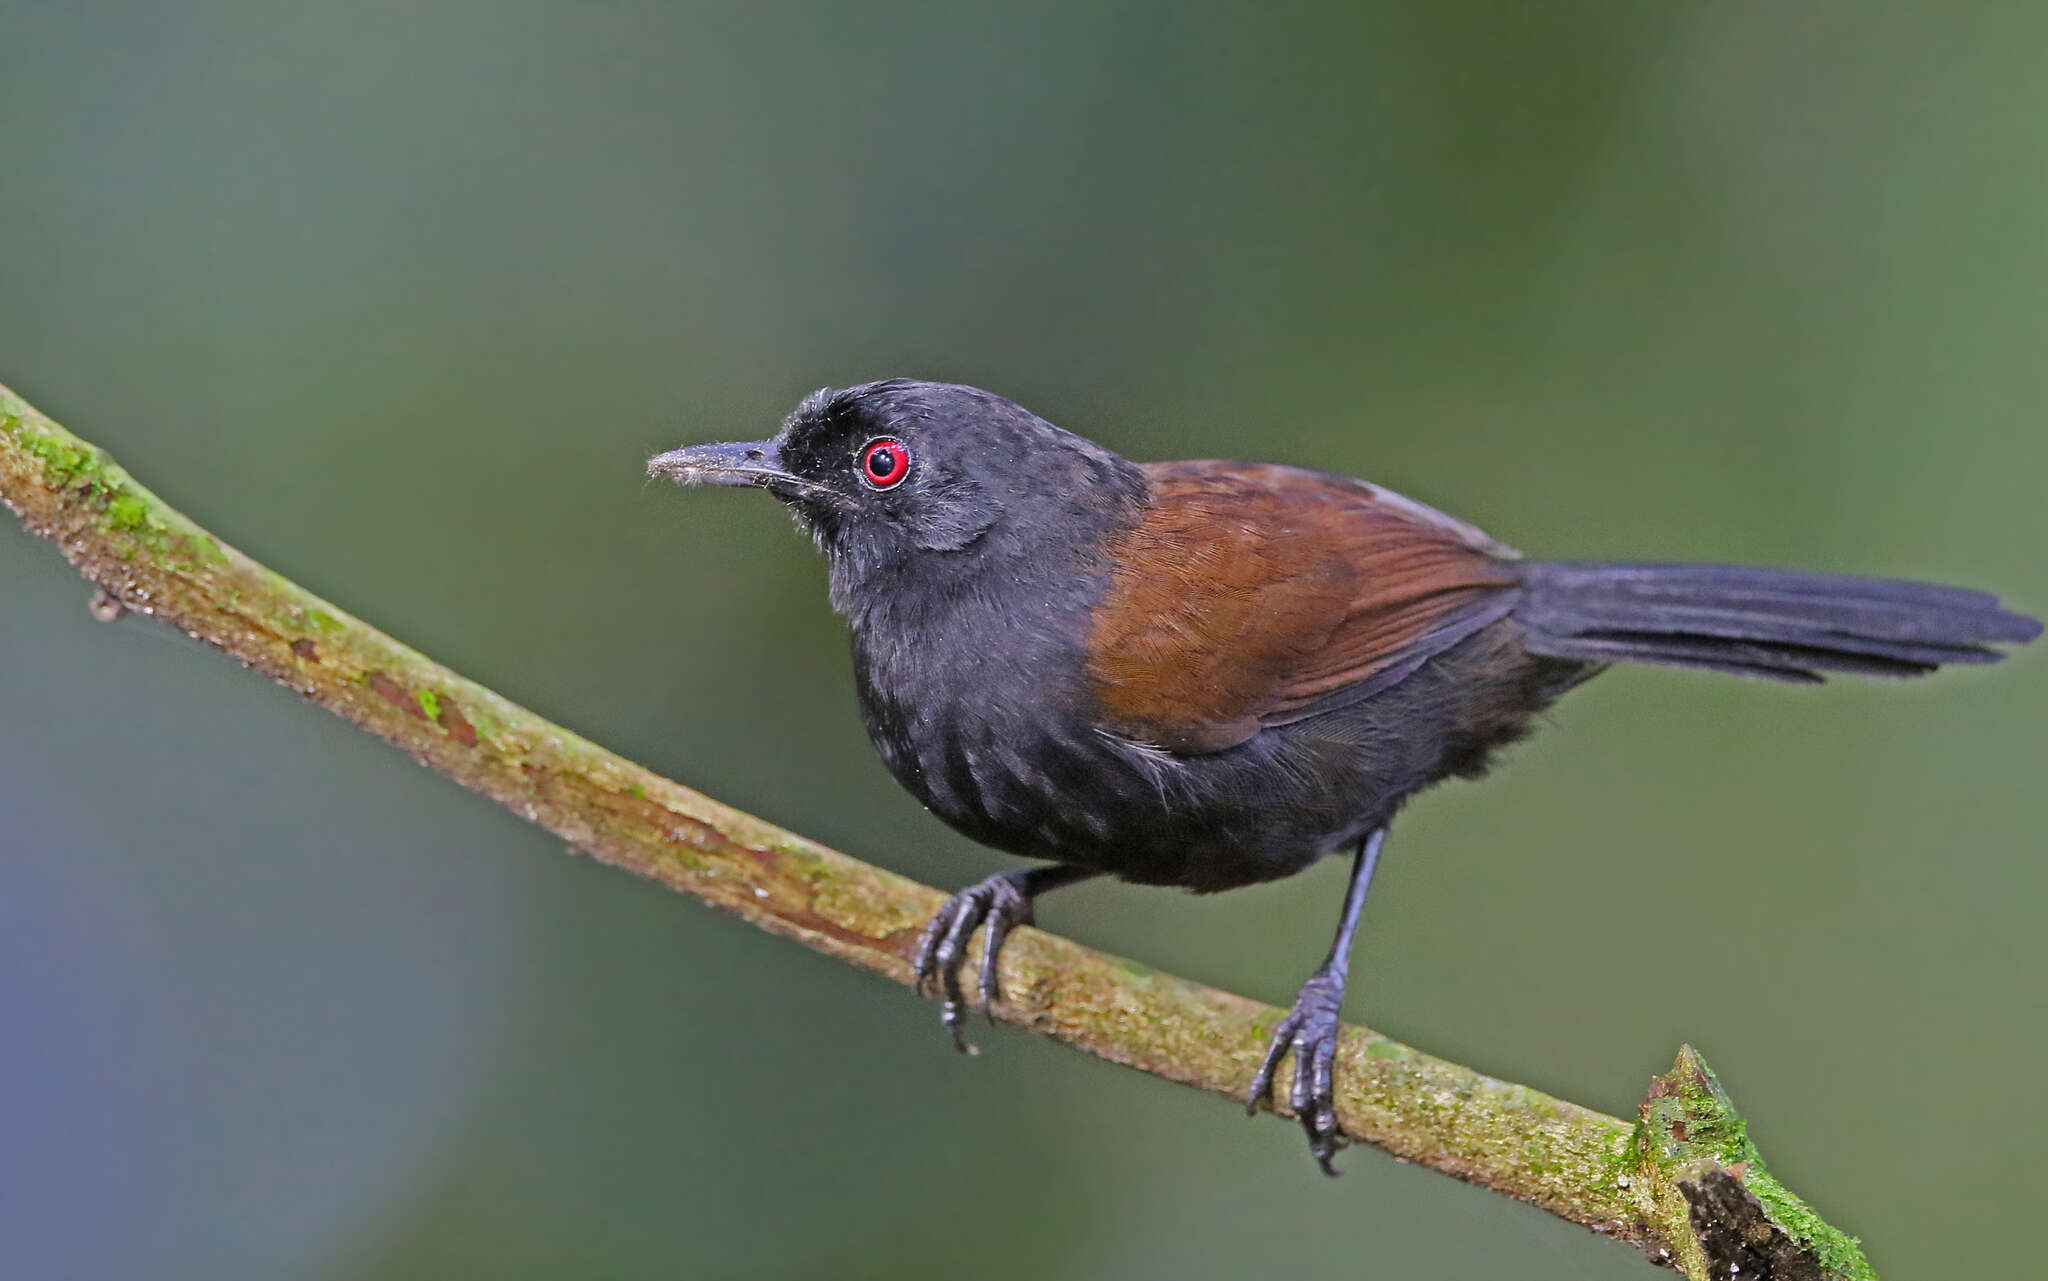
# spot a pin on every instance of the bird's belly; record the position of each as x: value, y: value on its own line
x: 1255, y: 813
x: 1019, y: 764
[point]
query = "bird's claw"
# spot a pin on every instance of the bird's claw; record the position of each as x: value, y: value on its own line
x: 942, y: 949
x: 1310, y: 1031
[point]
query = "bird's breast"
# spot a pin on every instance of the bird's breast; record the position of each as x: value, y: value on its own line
x: 986, y: 716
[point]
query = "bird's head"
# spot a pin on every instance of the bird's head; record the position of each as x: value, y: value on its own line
x: 902, y: 475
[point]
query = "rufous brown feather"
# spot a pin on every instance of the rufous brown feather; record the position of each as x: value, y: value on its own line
x: 1250, y: 592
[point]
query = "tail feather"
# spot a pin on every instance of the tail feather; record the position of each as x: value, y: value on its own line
x: 1778, y: 624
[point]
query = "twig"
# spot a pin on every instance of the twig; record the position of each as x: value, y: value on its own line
x: 1683, y: 1183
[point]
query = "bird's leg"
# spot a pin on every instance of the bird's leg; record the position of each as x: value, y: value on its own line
x: 1310, y: 1029
x: 1003, y: 900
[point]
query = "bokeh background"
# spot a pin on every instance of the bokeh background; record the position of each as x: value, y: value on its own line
x: 397, y: 297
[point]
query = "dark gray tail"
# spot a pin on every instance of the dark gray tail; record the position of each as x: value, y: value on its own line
x: 1759, y: 622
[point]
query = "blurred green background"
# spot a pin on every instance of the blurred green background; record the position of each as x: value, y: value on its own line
x: 398, y: 297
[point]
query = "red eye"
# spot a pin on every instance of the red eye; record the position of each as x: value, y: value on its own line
x: 884, y: 462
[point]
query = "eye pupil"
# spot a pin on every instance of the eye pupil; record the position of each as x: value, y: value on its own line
x: 884, y: 463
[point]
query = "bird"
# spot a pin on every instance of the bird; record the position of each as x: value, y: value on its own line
x: 1210, y: 674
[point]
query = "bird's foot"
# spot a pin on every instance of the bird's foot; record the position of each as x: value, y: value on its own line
x: 1003, y: 902
x: 1310, y: 1031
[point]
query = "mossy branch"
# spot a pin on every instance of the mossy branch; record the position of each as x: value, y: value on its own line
x: 1683, y: 1183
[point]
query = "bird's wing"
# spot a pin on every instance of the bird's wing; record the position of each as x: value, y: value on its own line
x: 1251, y: 595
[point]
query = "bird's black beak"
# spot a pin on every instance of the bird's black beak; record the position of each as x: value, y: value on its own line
x: 745, y: 462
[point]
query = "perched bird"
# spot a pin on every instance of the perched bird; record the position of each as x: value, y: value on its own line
x: 1210, y: 674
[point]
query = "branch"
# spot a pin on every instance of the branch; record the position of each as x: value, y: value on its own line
x: 1683, y: 1183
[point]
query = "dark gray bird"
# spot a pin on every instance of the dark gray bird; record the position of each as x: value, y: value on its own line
x: 1209, y: 674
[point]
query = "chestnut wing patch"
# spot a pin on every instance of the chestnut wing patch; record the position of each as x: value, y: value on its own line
x: 1250, y: 594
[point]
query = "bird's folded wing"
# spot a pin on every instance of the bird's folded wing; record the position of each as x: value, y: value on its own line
x: 1253, y: 595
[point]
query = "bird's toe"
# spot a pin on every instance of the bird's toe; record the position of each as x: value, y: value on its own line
x: 1310, y: 1033
x: 942, y: 949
